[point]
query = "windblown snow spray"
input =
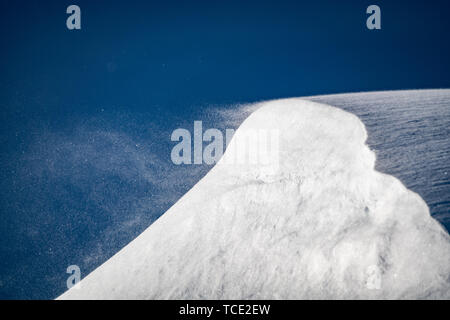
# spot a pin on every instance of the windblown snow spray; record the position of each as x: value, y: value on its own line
x: 253, y: 146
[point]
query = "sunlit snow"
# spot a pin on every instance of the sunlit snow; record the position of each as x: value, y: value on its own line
x: 324, y: 224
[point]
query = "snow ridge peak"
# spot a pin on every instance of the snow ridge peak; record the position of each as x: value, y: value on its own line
x: 322, y: 224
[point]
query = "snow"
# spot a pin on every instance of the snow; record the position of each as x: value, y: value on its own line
x: 322, y: 223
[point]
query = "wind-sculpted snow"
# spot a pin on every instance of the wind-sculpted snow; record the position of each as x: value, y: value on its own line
x: 409, y: 132
x: 325, y: 224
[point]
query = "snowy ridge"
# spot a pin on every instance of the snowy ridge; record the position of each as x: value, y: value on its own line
x: 325, y: 224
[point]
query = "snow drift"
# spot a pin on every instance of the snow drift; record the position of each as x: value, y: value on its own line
x: 324, y: 224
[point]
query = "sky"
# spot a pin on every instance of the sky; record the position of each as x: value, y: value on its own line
x: 139, y: 62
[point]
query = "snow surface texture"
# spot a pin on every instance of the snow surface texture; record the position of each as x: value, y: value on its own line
x: 324, y: 225
x: 409, y: 132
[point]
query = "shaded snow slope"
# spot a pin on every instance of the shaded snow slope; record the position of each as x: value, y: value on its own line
x: 409, y: 131
x: 325, y: 224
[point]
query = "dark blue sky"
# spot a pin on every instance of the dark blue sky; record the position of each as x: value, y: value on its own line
x: 143, y: 53
x: 167, y: 60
